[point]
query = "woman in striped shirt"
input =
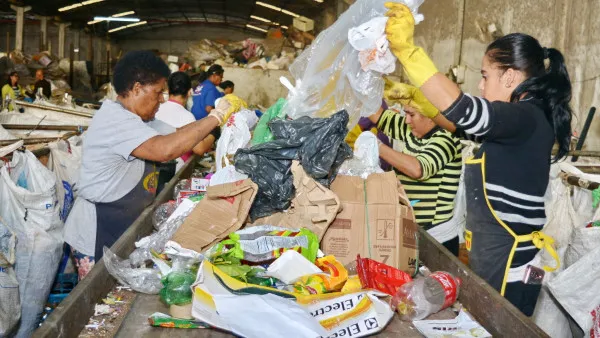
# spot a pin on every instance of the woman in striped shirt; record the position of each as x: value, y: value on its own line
x: 428, y: 166
x: 523, y: 111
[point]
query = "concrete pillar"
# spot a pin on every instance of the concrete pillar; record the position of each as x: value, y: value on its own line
x: 61, y: 39
x: 76, y: 43
x: 44, y: 32
x: 19, y: 29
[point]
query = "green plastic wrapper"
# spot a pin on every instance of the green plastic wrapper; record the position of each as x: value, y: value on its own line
x: 162, y: 320
x: 265, y: 243
x: 595, y: 198
x: 262, y: 133
x: 177, y: 288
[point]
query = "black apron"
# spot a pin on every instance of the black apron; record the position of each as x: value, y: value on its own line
x: 113, y: 218
x: 494, y: 246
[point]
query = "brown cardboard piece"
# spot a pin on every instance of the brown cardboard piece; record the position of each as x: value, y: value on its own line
x: 376, y: 222
x: 314, y: 207
x: 224, y: 210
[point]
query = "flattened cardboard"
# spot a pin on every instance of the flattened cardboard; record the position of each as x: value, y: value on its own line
x: 314, y: 207
x: 223, y: 211
x: 376, y: 221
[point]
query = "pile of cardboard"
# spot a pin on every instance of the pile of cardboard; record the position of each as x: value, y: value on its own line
x: 375, y: 219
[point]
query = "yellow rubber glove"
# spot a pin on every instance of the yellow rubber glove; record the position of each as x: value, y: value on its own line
x: 408, y: 95
x: 400, y: 31
x: 355, y: 133
x: 236, y: 104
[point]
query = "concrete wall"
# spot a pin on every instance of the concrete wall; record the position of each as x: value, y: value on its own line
x: 176, y: 39
x: 570, y: 26
x: 256, y: 86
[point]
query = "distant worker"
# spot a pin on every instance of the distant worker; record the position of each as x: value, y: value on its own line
x: 429, y: 166
x: 227, y: 86
x: 206, y: 93
x: 41, y: 82
x: 12, y: 90
x: 173, y: 112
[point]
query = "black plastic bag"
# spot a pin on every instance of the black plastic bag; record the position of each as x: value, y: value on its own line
x: 317, y: 143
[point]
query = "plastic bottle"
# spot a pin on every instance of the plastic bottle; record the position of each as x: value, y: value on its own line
x: 422, y: 297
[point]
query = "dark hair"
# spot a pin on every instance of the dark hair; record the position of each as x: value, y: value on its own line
x: 11, y: 74
x: 551, y: 85
x: 179, y: 84
x: 214, y: 69
x: 227, y: 84
x: 138, y: 66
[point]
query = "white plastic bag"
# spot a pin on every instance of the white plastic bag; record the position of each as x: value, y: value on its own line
x: 235, y: 135
x: 560, y: 215
x: 65, y: 161
x: 548, y: 315
x: 576, y: 289
x: 366, y: 157
x: 328, y: 73
x: 374, y: 48
x: 30, y: 209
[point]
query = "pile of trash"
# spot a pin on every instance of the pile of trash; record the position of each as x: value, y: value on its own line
x: 56, y: 71
x: 289, y: 239
x: 275, y: 52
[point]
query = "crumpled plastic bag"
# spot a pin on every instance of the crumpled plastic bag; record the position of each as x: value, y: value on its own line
x: 162, y: 212
x: 262, y: 133
x: 234, y: 135
x: 328, y: 74
x: 366, y: 157
x: 157, y: 240
x: 374, y: 48
x: 144, y: 280
x: 317, y: 143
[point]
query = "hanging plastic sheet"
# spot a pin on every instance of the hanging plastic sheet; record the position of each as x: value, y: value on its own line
x: 328, y: 74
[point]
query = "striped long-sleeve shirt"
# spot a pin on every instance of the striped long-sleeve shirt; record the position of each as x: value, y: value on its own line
x: 439, y: 153
x: 517, y: 140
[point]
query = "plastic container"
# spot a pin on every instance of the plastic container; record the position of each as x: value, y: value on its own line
x: 422, y: 297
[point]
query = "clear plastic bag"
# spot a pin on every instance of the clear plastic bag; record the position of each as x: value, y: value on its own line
x: 366, y: 157
x: 157, y: 240
x: 328, y: 74
x: 142, y: 280
x: 162, y: 213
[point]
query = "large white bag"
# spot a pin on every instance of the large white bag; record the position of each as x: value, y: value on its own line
x: 561, y: 217
x: 65, y: 161
x: 576, y: 289
x: 30, y: 209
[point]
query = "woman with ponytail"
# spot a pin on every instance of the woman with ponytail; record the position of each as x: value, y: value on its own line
x: 522, y: 112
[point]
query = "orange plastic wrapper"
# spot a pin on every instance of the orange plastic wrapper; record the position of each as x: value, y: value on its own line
x: 381, y: 277
x: 333, y: 280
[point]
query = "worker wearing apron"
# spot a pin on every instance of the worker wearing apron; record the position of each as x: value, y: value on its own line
x: 118, y: 178
x: 523, y: 111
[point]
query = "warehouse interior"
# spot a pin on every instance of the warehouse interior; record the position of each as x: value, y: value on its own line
x: 366, y: 175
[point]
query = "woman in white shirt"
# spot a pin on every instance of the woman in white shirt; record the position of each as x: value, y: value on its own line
x: 173, y: 112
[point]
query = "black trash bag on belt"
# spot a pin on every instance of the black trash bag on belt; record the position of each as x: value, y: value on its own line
x: 317, y: 143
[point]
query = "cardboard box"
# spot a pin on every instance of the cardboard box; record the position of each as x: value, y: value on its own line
x: 224, y: 210
x: 376, y: 221
x: 314, y: 207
